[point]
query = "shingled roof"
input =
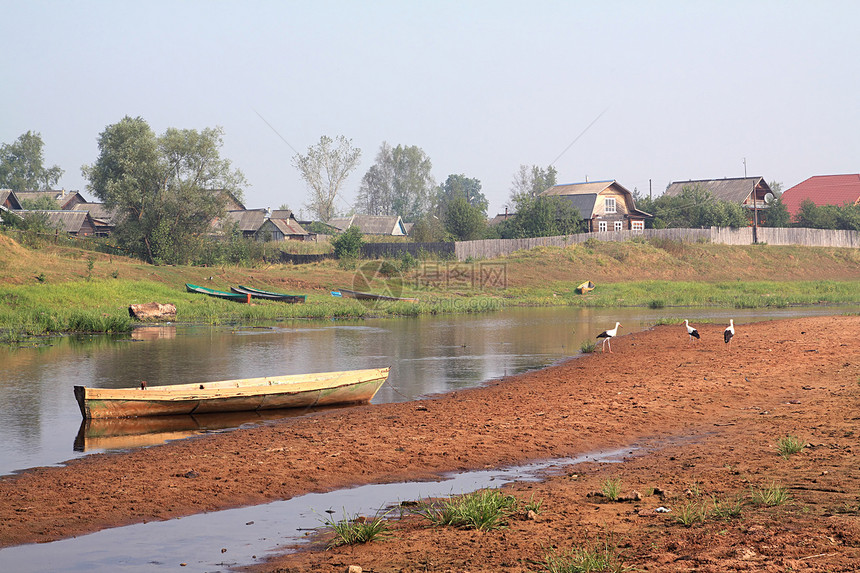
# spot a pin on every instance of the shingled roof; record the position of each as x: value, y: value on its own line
x: 735, y: 190
x: 823, y: 190
x: 370, y: 224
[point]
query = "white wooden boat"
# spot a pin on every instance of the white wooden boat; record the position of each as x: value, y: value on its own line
x: 267, y: 393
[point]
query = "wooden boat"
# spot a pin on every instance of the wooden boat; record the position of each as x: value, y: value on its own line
x: 585, y: 287
x: 369, y: 296
x: 266, y: 295
x: 218, y: 293
x: 249, y: 394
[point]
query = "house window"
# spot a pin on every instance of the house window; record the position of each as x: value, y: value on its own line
x: 637, y: 225
x: 601, y: 226
x: 609, y: 205
x: 619, y: 226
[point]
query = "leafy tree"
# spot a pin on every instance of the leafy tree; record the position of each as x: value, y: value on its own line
x: 464, y: 221
x: 324, y: 168
x: 21, y: 165
x: 43, y: 203
x: 460, y: 186
x: 428, y: 229
x: 167, y: 190
x: 696, y: 207
x: 348, y: 244
x: 542, y: 217
x: 531, y: 182
x: 812, y: 216
x: 776, y: 214
x: 399, y: 183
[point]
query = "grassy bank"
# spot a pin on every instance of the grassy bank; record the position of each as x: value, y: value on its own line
x: 61, y: 289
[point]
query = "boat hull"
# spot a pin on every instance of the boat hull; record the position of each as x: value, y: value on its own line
x: 370, y: 296
x: 268, y: 393
x: 234, y: 296
x: 266, y: 295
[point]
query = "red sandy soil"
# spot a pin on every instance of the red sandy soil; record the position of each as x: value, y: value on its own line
x: 702, y: 419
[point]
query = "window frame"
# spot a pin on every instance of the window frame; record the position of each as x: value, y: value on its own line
x: 606, y: 205
x: 602, y: 226
x: 618, y: 226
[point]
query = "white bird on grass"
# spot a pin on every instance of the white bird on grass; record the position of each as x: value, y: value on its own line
x: 691, y: 331
x: 730, y: 331
x: 606, y: 335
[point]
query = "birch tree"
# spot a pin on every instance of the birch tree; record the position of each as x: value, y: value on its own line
x: 325, y: 168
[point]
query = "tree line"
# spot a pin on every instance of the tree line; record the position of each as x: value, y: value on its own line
x: 168, y: 189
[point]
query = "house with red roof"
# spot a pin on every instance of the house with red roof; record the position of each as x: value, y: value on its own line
x: 823, y: 190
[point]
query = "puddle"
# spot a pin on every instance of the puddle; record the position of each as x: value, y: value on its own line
x: 249, y: 534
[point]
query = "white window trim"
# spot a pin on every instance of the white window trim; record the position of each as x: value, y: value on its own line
x: 618, y: 226
x: 606, y: 205
x: 638, y: 225
x: 602, y: 226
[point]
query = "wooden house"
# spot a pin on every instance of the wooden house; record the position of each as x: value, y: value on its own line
x: 750, y: 192
x: 282, y: 226
x: 836, y: 190
x: 104, y: 220
x: 76, y: 223
x: 391, y: 225
x: 248, y: 221
x: 603, y: 205
x: 9, y: 203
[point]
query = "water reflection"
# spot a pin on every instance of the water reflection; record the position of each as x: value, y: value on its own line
x: 39, y: 418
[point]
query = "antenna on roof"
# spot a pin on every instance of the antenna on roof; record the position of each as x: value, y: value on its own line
x: 745, y: 167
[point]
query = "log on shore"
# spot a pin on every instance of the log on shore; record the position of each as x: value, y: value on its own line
x: 152, y: 311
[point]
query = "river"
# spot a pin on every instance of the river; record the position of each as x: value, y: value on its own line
x: 42, y: 424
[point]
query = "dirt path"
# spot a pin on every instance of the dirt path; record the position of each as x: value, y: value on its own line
x: 704, y: 416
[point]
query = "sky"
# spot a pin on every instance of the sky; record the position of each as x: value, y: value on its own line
x: 644, y: 93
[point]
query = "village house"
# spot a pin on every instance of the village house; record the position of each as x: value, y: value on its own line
x: 391, y: 225
x: 836, y: 190
x: 282, y: 226
x: 603, y: 205
x: 751, y: 192
x: 75, y: 223
x: 104, y: 220
x: 9, y: 203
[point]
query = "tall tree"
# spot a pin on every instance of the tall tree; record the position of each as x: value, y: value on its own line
x: 21, y: 165
x: 167, y: 190
x: 542, y: 217
x: 456, y: 186
x: 324, y: 168
x: 463, y: 220
x: 531, y: 182
x: 696, y: 207
x: 399, y: 183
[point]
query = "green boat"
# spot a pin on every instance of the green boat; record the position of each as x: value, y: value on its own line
x: 266, y: 295
x: 238, y: 297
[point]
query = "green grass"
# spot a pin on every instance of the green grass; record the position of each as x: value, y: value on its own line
x: 611, y: 488
x: 483, y: 510
x: 587, y: 346
x: 586, y: 559
x: 726, y: 509
x: 691, y: 513
x: 356, y: 530
x: 789, y: 445
x: 771, y: 495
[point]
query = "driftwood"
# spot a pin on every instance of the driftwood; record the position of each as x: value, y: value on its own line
x: 152, y: 311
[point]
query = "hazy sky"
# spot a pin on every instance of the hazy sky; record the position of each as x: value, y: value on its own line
x: 679, y: 90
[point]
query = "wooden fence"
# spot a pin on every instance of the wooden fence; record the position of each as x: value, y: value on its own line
x: 491, y: 248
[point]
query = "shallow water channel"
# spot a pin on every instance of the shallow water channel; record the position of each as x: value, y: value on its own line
x: 41, y: 424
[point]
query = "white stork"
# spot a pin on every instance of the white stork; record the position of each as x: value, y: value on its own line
x: 606, y: 335
x: 691, y: 331
x: 730, y: 331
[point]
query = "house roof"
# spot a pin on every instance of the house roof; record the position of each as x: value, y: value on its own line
x: 370, y: 224
x: 823, y: 190
x: 98, y: 212
x: 735, y: 190
x: 581, y: 188
x: 68, y: 221
x: 288, y: 226
x: 583, y: 196
x: 249, y: 220
x: 63, y: 198
x: 281, y: 214
x: 9, y: 196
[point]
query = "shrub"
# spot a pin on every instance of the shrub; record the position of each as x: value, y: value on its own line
x: 348, y: 244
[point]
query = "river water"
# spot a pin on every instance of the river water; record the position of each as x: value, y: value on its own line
x: 40, y: 423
